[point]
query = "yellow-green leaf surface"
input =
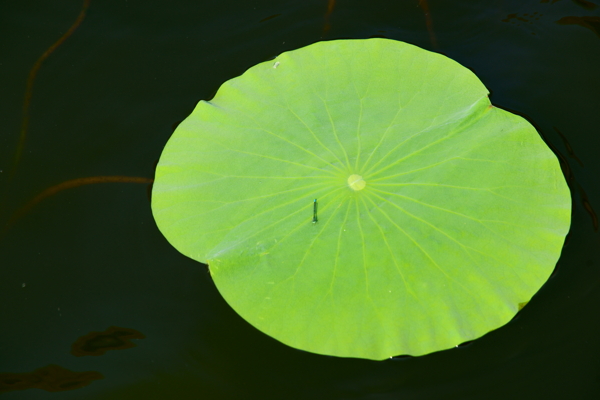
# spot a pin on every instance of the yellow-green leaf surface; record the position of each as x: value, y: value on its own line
x: 437, y: 213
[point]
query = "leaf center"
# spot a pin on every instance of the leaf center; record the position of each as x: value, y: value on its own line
x: 356, y: 182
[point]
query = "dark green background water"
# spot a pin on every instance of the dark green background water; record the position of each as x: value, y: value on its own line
x: 107, y: 100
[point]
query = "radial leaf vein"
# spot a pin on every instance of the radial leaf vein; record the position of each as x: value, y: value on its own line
x: 338, y: 247
x: 450, y: 120
x: 302, y: 223
x: 315, y: 137
x: 461, y: 245
x: 265, y: 156
x: 212, y: 210
x: 335, y: 133
x: 412, y: 154
x: 195, y: 168
x: 416, y: 244
x: 389, y: 248
x: 392, y: 123
x: 477, y: 220
x: 363, y: 249
x: 312, y: 242
x: 286, y: 140
x: 277, y: 222
x: 358, y: 139
x: 425, y: 168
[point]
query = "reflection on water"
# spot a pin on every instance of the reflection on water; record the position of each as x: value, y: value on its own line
x: 429, y: 23
x: 568, y: 146
x: 327, y: 26
x: 269, y: 17
x: 97, y: 343
x: 29, y: 87
x: 54, y: 378
x: 570, y: 177
x: 515, y: 18
x: 51, y: 378
x: 591, y: 23
x: 585, y: 4
x: 18, y: 214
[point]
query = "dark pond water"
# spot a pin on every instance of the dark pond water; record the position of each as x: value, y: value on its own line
x: 86, y: 255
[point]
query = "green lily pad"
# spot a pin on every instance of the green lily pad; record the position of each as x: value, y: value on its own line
x: 437, y: 214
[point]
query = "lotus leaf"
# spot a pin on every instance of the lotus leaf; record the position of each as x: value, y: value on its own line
x: 363, y: 198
